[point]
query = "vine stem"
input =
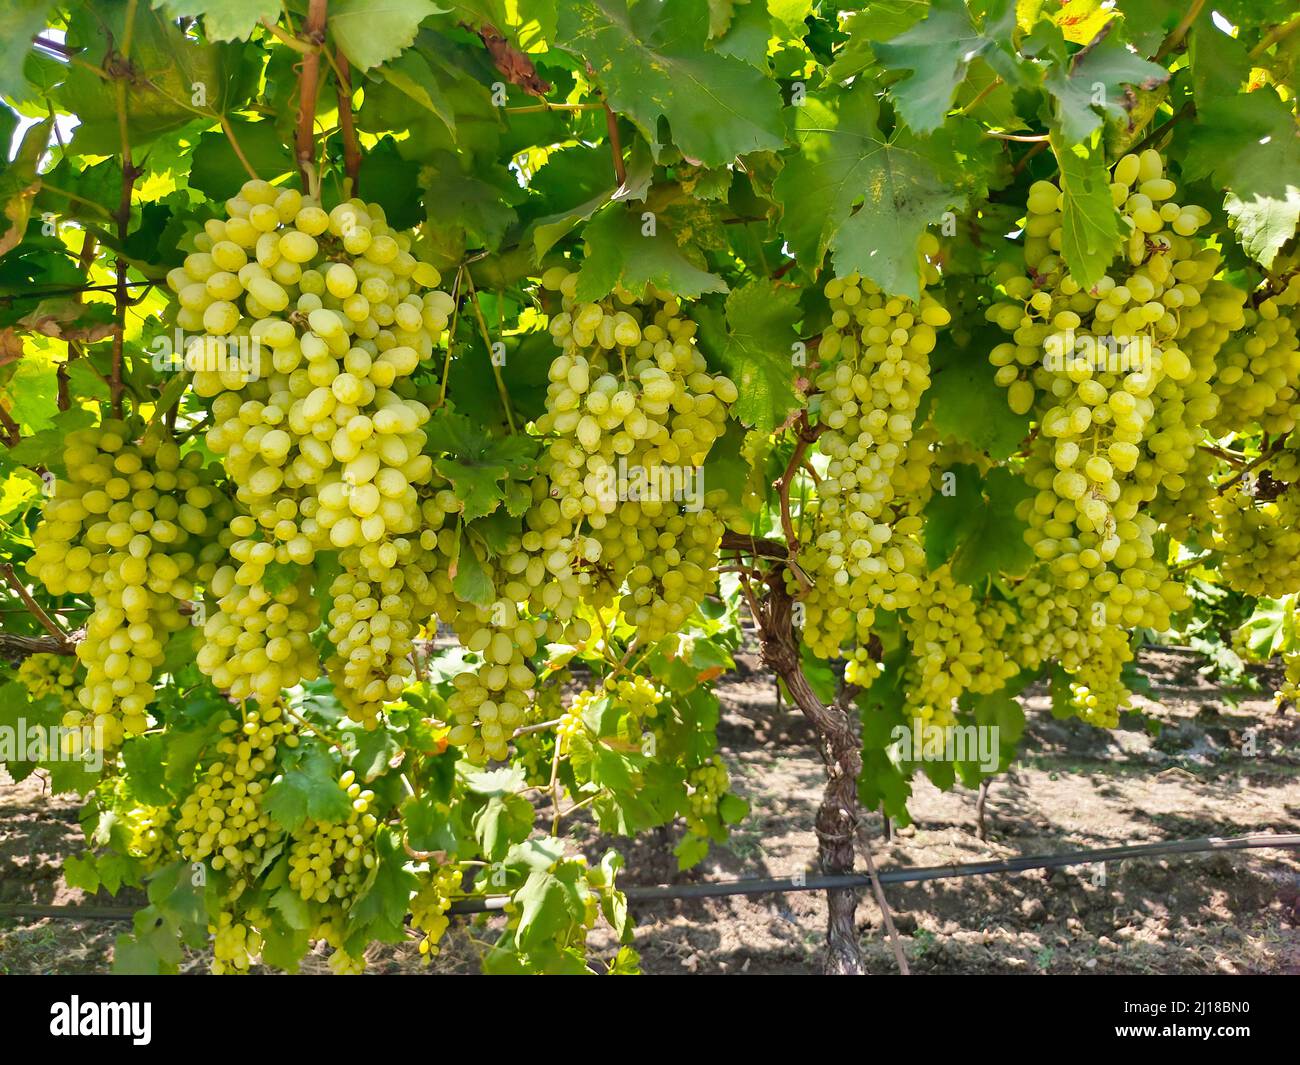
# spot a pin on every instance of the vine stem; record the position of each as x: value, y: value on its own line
x: 1177, y: 34
x: 1274, y: 35
x: 1253, y: 464
x: 1019, y: 138
x: 615, y: 145
x: 351, y: 149
x: 129, y: 174
x: 838, y: 820
x: 12, y: 432
x: 487, y: 343
x: 308, y: 83
x: 38, y: 612
x: 807, y: 434
x: 533, y: 109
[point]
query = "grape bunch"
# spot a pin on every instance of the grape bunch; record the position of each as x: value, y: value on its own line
x: 429, y: 907
x: 134, y: 526
x: 311, y: 324
x: 865, y: 552
x: 49, y: 674
x: 957, y: 645
x: 223, y: 821
x: 330, y: 861
x: 1258, y: 375
x: 1258, y: 539
x: 707, y: 785
x: 633, y: 412
x: 258, y: 642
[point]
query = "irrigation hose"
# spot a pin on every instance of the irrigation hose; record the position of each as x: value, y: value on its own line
x: 771, y: 885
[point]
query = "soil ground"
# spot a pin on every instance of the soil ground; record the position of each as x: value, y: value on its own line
x: 1074, y: 788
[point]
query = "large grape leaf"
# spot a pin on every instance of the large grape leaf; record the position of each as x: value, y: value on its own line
x: 477, y: 464
x: 224, y: 20
x: 622, y: 251
x: 976, y: 528
x: 19, y: 23
x: 411, y: 73
x: 217, y: 172
x: 370, y: 32
x: 651, y: 61
x: 309, y: 788
x: 1090, y: 233
x: 1249, y: 145
x: 759, y: 353
x: 174, y: 75
x: 1092, y: 83
x: 844, y: 160
x: 939, y: 50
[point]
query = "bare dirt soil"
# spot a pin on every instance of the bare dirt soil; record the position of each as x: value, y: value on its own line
x: 1075, y: 788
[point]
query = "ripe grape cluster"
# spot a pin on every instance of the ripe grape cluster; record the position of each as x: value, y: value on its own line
x: 708, y: 783
x: 329, y: 861
x: 1118, y: 378
x: 1258, y: 538
x: 865, y: 552
x: 223, y: 820
x: 633, y: 412
x: 49, y: 674
x: 134, y: 526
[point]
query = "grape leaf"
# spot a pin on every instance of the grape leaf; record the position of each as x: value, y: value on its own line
x: 1148, y: 22
x: 1090, y: 233
x: 476, y: 463
x: 19, y: 184
x: 651, y: 61
x: 216, y: 170
x: 224, y: 20
x: 759, y: 353
x: 370, y: 32
x: 965, y: 401
x: 411, y: 73
x: 19, y: 23
x: 845, y: 159
x: 379, y: 912
x: 746, y: 35
x: 1094, y: 78
x: 938, y: 51
x: 180, y: 75
x: 309, y: 788
x: 1220, y: 63
x: 976, y: 528
x: 1249, y: 145
x: 881, y: 21
x: 621, y: 251
x: 548, y: 904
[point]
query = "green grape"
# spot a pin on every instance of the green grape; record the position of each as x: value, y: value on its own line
x: 134, y: 526
x: 49, y: 674
x: 1258, y: 377
x: 330, y: 862
x: 258, y: 643
x: 223, y: 821
x: 429, y: 907
x: 865, y: 551
x: 1258, y: 538
x: 708, y: 784
x: 957, y: 645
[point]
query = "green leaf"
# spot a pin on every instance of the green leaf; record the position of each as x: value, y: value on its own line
x: 379, y: 912
x: 477, y: 464
x: 279, y: 577
x: 174, y: 67
x: 370, y: 32
x: 308, y: 789
x: 1090, y: 233
x: 619, y: 252
x: 547, y: 905
x: 1093, y: 79
x: 20, y: 21
x: 760, y: 352
x: 965, y: 402
x: 224, y: 20
x: 19, y: 184
x: 142, y: 757
x: 976, y: 528
x: 938, y: 52
x: 464, y: 202
x: 1248, y: 144
x: 217, y: 172
x: 500, y: 823
x: 651, y: 61
x: 411, y: 73
x: 845, y: 160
